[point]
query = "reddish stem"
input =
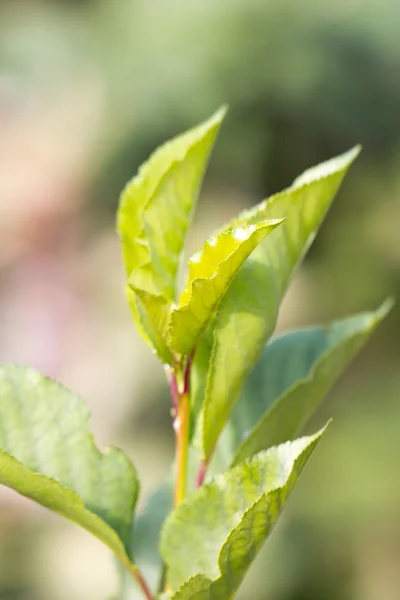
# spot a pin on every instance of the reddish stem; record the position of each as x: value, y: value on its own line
x: 186, y: 378
x: 142, y: 583
x: 174, y: 395
x: 201, y: 473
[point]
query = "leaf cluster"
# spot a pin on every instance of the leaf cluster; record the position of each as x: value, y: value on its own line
x: 239, y: 398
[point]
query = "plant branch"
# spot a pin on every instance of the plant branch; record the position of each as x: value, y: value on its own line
x: 174, y: 396
x: 181, y: 407
x: 182, y: 442
x: 140, y: 580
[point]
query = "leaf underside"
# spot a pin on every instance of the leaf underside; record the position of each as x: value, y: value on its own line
x: 294, y: 374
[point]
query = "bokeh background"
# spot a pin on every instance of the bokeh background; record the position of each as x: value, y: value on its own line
x: 87, y: 89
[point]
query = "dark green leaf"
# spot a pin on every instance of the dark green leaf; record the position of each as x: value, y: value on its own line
x: 295, y: 373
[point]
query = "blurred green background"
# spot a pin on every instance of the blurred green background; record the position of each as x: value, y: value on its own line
x: 87, y: 90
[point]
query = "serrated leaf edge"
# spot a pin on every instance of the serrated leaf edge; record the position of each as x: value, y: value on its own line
x: 313, y: 440
x: 177, y: 308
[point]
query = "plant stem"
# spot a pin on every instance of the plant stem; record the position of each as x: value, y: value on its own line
x: 140, y: 580
x: 182, y: 443
x: 201, y: 473
x: 181, y: 408
x: 174, y: 396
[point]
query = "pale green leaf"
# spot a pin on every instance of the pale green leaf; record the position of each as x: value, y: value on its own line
x: 156, y: 205
x: 196, y: 588
x: 154, y: 311
x: 295, y: 373
x: 248, y: 312
x: 155, y: 211
x: 47, y: 453
x: 149, y: 312
x: 219, y: 529
x: 211, y: 271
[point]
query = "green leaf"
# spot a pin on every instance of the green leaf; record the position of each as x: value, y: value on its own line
x: 219, y: 529
x: 248, y: 312
x: 211, y: 271
x: 154, y: 312
x: 47, y: 454
x: 156, y: 205
x: 295, y: 373
x: 149, y: 312
x: 154, y: 213
x: 196, y: 588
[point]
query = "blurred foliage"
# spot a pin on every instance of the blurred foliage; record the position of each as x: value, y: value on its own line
x: 97, y: 84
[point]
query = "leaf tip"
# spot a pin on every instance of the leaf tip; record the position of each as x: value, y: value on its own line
x: 353, y: 153
x: 217, y: 117
x: 220, y: 113
x: 384, y: 309
x: 335, y: 165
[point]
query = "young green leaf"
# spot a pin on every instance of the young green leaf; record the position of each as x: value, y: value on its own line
x: 149, y: 311
x: 154, y: 311
x: 156, y: 205
x: 219, y: 529
x: 155, y: 210
x: 248, y: 312
x: 211, y: 271
x: 47, y: 453
x: 295, y: 373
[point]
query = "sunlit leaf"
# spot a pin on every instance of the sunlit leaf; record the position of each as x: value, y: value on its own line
x: 248, y: 312
x: 218, y: 530
x: 47, y: 454
x: 154, y: 311
x: 211, y: 270
x: 155, y: 211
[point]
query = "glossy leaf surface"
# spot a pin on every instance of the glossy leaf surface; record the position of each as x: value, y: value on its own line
x: 211, y: 271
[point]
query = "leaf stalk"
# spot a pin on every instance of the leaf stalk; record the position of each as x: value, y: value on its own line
x: 140, y: 580
x: 180, y: 392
